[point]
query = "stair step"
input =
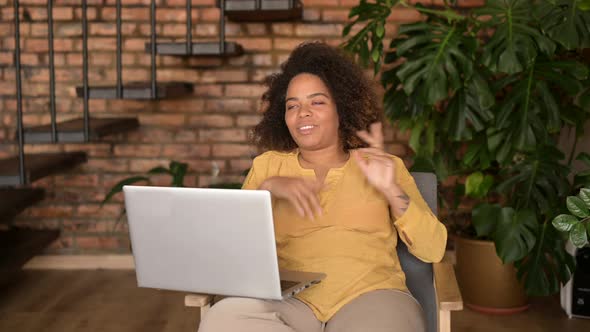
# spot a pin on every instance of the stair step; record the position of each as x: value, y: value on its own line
x: 138, y: 90
x: 72, y: 131
x: 204, y: 49
x: 14, y: 200
x: 18, y: 245
x: 38, y: 166
x: 271, y: 10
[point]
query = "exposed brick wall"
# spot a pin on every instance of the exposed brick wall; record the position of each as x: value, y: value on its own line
x: 210, y: 126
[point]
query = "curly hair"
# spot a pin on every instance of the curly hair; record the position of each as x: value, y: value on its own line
x: 354, y: 95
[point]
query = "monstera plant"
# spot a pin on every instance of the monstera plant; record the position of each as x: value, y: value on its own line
x: 485, y: 94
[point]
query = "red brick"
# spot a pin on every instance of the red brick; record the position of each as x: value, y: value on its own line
x: 262, y: 59
x: 244, y: 90
x: 106, y: 165
x: 84, y: 180
x: 209, y: 15
x: 136, y: 150
x: 310, y: 15
x: 255, y: 44
x: 256, y: 29
x: 209, y: 120
x: 208, y: 90
x: 222, y: 135
x: 150, y: 135
x: 210, y: 76
x: 335, y: 15
x: 127, y: 14
x: 96, y: 211
x: 186, y: 151
x: 321, y: 3
x: 91, y: 149
x: 232, y: 150
x: 229, y: 105
x: 282, y: 29
x: 404, y: 15
x: 185, y: 136
x: 208, y: 3
x: 288, y: 44
x: 53, y: 211
x: 248, y: 120
x: 144, y: 165
x: 309, y: 30
x: 91, y: 13
x: 171, y: 15
x: 173, y: 120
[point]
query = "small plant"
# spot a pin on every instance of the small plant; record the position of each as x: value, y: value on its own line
x: 576, y: 224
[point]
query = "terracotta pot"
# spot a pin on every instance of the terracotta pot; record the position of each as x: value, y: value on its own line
x: 486, y: 284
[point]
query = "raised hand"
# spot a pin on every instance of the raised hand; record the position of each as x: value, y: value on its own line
x: 375, y: 164
x: 379, y: 168
x: 301, y: 193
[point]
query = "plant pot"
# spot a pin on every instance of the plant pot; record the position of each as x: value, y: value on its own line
x: 486, y: 284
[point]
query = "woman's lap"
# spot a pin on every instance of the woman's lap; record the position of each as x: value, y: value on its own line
x: 376, y: 311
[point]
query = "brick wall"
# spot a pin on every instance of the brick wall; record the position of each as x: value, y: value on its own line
x: 210, y: 126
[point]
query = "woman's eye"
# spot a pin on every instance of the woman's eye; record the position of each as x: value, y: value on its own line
x: 289, y: 107
x: 317, y: 102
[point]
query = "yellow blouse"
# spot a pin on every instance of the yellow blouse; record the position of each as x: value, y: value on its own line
x: 353, y: 242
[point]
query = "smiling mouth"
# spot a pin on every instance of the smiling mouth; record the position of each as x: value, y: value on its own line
x: 305, y: 130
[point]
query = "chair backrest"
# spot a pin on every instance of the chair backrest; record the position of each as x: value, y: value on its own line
x: 419, y: 275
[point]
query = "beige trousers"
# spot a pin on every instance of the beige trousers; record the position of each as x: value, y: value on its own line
x: 376, y: 311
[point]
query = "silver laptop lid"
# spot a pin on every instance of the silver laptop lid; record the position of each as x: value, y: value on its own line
x: 177, y: 232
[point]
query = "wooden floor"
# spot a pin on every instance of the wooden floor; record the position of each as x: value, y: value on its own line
x: 102, y: 300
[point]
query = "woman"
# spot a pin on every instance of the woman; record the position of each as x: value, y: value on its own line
x: 339, y: 204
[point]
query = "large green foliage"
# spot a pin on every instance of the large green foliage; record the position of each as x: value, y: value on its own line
x: 484, y: 94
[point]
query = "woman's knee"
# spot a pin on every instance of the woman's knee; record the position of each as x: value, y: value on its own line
x: 230, y: 313
x: 382, y: 310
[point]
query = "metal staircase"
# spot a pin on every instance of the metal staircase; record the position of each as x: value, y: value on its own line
x: 17, y: 173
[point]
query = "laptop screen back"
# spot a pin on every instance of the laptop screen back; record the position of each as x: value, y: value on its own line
x: 218, y: 241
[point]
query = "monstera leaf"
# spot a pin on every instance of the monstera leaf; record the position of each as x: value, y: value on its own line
x: 537, y: 181
x: 565, y: 21
x: 530, y: 111
x: 439, y: 58
x: 514, y: 42
x: 547, y: 266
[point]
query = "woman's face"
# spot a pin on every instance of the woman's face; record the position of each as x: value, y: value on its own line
x: 310, y: 113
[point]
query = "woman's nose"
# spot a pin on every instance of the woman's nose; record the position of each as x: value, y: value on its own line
x: 304, y: 111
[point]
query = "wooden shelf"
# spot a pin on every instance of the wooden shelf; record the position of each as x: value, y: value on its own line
x: 14, y: 200
x: 270, y: 11
x: 72, y: 131
x: 18, y: 245
x: 139, y: 90
x: 202, y: 49
x: 38, y: 166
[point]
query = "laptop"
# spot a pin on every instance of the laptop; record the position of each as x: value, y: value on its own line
x: 213, y: 241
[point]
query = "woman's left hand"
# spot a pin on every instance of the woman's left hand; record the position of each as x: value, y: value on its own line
x: 376, y: 165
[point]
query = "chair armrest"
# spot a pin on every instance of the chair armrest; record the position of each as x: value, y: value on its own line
x: 197, y: 300
x: 446, y: 287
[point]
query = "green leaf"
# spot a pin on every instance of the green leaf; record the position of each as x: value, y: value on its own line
x: 563, y: 21
x: 117, y: 188
x: 380, y: 30
x: 516, y: 234
x: 485, y: 217
x: 578, y: 235
x: 565, y: 222
x: 577, y: 207
x: 376, y: 54
x: 584, y: 195
x: 477, y: 185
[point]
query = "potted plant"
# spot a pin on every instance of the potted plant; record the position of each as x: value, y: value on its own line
x: 485, y: 94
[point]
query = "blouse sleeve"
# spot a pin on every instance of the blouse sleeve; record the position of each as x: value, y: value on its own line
x: 257, y: 173
x: 418, y: 227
